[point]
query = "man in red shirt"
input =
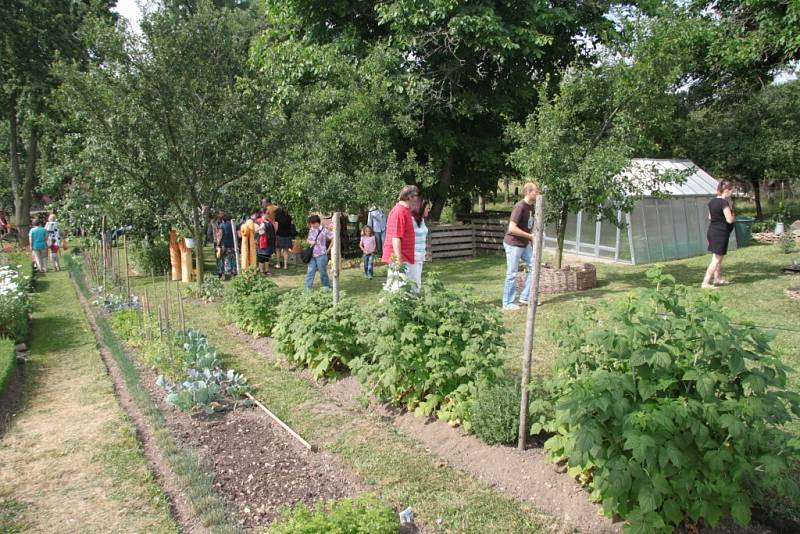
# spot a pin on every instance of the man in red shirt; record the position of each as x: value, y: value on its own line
x: 398, y: 247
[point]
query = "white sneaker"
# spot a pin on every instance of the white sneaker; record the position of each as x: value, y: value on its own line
x: 510, y: 307
x: 523, y: 302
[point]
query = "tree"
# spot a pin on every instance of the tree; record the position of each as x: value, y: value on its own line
x: 749, y: 139
x: 165, y: 118
x: 34, y: 34
x: 579, y: 141
x: 469, y: 66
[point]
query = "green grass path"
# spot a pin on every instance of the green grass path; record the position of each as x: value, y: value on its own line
x: 70, y: 461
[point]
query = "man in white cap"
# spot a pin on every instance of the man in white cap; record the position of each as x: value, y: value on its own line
x: 376, y: 219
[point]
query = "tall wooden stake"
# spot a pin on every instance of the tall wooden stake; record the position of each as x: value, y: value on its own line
x: 336, y: 251
x: 127, y: 269
x: 180, y: 311
x: 533, y: 299
x: 103, y: 246
x: 236, y: 248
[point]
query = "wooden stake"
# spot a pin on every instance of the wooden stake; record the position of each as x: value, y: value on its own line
x: 236, y: 248
x: 336, y: 253
x: 533, y: 299
x: 286, y: 427
x: 160, y: 325
x: 127, y: 269
x: 103, y: 246
x: 180, y: 311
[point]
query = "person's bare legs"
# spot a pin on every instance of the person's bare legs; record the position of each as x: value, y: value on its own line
x: 285, y: 254
x: 711, y: 272
x: 718, y: 280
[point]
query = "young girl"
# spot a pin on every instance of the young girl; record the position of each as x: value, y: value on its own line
x: 368, y: 245
x: 53, y: 240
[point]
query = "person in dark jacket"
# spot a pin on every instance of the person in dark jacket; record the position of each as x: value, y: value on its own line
x: 285, y: 233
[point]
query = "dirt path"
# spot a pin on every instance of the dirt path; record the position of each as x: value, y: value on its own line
x: 70, y: 461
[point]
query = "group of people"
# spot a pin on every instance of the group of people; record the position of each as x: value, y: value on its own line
x: 45, y: 237
x: 266, y: 232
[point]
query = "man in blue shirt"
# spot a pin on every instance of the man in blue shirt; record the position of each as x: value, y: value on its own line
x: 38, y: 238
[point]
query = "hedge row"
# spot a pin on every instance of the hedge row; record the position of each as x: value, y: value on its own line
x: 7, y: 358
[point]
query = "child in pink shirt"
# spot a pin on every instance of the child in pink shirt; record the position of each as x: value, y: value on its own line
x: 368, y: 245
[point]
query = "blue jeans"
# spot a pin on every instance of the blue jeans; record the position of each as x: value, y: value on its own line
x: 369, y: 260
x: 513, y: 257
x: 318, y: 263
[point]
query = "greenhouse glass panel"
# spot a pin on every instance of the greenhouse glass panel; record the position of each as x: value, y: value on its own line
x: 608, y: 234
x: 569, y: 237
x: 653, y: 228
x: 641, y: 251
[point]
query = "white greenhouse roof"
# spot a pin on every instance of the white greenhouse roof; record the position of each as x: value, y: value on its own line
x: 697, y: 181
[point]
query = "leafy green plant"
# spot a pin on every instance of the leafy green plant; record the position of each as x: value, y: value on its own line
x: 311, y: 333
x: 15, y: 302
x: 250, y: 301
x: 205, y: 390
x: 151, y: 257
x: 127, y: 325
x: 210, y: 290
x: 430, y: 350
x: 363, y: 515
x: 672, y: 412
x: 495, y: 413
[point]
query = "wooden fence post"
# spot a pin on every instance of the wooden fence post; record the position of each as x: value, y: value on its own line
x: 236, y: 249
x: 103, y: 246
x: 533, y: 298
x: 127, y: 269
x: 336, y: 253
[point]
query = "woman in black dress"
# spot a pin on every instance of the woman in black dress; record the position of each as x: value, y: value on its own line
x: 720, y: 213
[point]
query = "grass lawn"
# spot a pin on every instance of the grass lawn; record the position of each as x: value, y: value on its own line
x: 70, y: 461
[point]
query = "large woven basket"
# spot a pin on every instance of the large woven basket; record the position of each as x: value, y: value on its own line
x: 578, y: 277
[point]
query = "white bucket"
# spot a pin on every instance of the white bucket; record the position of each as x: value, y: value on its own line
x: 779, y: 228
x: 352, y: 218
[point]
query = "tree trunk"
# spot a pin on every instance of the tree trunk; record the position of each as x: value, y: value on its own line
x: 443, y: 189
x: 199, y: 250
x: 507, y: 184
x: 561, y: 231
x: 22, y: 185
x: 481, y: 203
x: 756, y: 183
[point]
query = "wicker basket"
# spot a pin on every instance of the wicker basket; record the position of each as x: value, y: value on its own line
x: 569, y: 278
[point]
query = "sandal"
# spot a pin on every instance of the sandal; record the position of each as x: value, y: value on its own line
x: 708, y: 286
x: 721, y: 282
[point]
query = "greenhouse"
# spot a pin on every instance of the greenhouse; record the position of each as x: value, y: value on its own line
x: 657, y: 229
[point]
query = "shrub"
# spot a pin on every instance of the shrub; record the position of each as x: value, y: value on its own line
x: 673, y: 412
x: 429, y: 351
x: 364, y: 515
x: 151, y: 256
x: 7, y: 358
x: 311, y: 333
x: 15, y: 303
x: 250, y: 301
x: 495, y: 413
x: 212, y: 289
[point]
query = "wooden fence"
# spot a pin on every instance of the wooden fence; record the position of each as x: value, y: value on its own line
x: 483, y: 235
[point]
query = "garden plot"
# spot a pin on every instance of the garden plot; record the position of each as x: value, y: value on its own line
x: 258, y: 468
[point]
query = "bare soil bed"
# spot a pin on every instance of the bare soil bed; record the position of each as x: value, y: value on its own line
x: 258, y: 468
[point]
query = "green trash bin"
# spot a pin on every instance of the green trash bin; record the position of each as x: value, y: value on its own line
x: 743, y: 226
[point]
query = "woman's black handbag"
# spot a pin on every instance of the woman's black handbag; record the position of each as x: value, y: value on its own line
x: 308, y: 253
